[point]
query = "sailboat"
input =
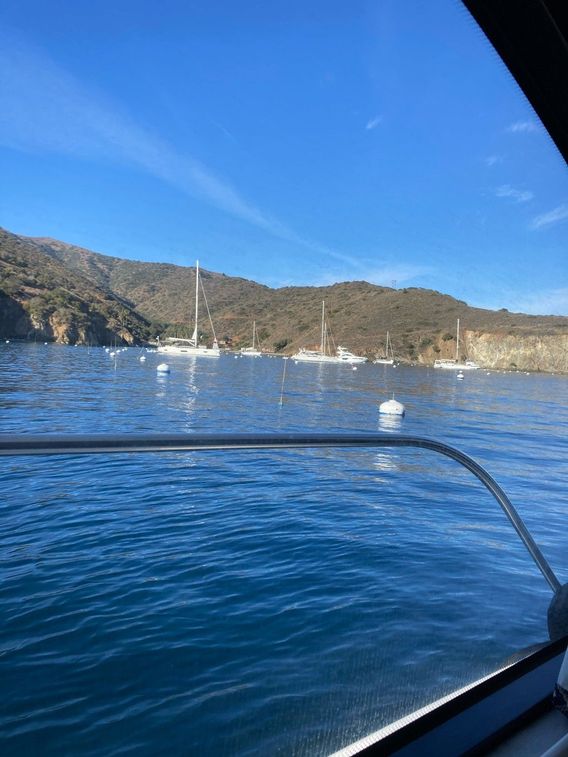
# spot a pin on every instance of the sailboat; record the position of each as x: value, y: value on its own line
x: 191, y: 347
x: 321, y: 356
x: 388, y: 358
x: 251, y: 351
x: 454, y: 365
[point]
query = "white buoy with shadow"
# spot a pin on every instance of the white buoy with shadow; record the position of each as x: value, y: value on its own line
x: 392, y: 407
x: 163, y: 368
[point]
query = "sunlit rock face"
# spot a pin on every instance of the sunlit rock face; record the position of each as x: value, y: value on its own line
x: 524, y: 353
x: 505, y: 352
x: 61, y: 327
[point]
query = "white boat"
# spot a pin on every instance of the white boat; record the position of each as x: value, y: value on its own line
x: 454, y: 365
x: 251, y: 351
x: 316, y: 356
x: 321, y: 356
x: 344, y: 356
x: 313, y: 356
x: 388, y: 358
x: 191, y: 347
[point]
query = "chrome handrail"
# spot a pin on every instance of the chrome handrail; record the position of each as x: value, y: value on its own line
x: 80, y: 444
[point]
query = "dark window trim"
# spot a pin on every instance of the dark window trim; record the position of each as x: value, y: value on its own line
x: 483, y: 714
x: 531, y: 37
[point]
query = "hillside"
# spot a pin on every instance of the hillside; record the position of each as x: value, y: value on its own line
x: 158, y: 298
x: 40, y: 298
x: 421, y: 321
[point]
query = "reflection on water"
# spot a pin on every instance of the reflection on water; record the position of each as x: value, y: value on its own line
x: 385, y: 461
x: 391, y: 423
x: 229, y: 595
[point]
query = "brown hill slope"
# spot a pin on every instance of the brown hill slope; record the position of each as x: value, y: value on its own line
x: 42, y: 298
x: 421, y: 321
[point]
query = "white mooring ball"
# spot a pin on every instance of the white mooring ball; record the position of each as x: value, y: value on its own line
x: 392, y: 407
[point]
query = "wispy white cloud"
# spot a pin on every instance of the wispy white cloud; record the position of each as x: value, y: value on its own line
x: 225, y: 131
x: 518, y: 195
x: 541, y: 302
x: 549, y: 219
x: 382, y: 275
x: 45, y: 109
x: 548, y: 302
x: 536, y: 302
x: 492, y: 160
x: 522, y: 126
x: 372, y: 123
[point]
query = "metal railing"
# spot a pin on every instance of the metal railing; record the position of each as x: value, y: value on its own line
x: 79, y: 444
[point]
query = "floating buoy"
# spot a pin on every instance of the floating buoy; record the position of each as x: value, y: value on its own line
x: 163, y: 368
x: 45, y: 342
x: 7, y: 341
x: 107, y: 349
x: 392, y: 407
x: 111, y: 354
x: 460, y: 376
x: 488, y: 374
x: 142, y: 358
x: 354, y: 368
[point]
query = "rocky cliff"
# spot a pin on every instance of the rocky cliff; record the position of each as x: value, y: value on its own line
x: 40, y: 298
x: 547, y: 352
x: 55, y: 290
x: 502, y: 351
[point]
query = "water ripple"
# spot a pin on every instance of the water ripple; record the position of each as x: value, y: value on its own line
x: 261, y: 602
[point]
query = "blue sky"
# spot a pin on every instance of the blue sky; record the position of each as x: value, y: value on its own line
x: 289, y: 143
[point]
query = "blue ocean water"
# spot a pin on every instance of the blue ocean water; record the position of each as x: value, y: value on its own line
x: 250, y: 602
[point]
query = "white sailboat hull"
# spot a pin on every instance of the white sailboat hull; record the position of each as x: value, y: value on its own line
x: 190, y: 347
x: 307, y: 356
x: 451, y: 365
x: 447, y: 364
x: 386, y: 360
x: 342, y: 356
x: 250, y: 352
x: 174, y: 349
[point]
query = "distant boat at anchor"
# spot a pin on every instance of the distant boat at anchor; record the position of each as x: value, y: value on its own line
x: 454, y: 365
x: 191, y: 347
x: 251, y: 351
x: 388, y: 358
x: 322, y: 355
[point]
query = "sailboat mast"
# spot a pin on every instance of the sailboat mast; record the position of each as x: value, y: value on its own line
x: 196, y: 298
x: 458, y: 342
x: 253, y: 332
x: 322, y: 343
